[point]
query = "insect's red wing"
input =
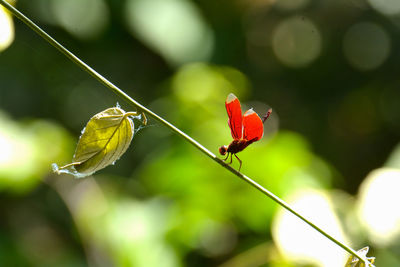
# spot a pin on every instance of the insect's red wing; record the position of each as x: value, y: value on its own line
x: 253, y: 129
x: 234, y: 111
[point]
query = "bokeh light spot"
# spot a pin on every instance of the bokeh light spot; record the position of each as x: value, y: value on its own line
x: 296, y: 42
x: 387, y: 7
x: 198, y: 81
x: 14, y: 150
x: 377, y: 207
x: 301, y: 243
x: 366, y: 46
x: 6, y: 29
x: 217, y: 238
x: 174, y: 28
x: 27, y: 150
x: 83, y: 19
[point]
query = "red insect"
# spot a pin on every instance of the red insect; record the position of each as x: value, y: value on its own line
x: 245, y: 129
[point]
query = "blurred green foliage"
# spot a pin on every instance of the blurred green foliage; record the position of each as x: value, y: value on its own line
x: 327, y: 68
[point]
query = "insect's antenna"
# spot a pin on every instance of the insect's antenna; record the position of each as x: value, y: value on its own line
x: 267, y: 115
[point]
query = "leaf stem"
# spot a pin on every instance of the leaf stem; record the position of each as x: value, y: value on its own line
x: 143, y: 109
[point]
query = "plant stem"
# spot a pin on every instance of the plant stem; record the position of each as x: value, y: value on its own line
x: 142, y: 108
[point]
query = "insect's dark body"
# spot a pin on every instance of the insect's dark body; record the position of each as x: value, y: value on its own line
x: 234, y: 147
x: 238, y: 145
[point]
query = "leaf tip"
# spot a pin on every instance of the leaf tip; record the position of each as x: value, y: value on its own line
x: 55, y: 168
x: 68, y: 170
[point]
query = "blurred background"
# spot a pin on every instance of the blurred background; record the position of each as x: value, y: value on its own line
x: 328, y: 68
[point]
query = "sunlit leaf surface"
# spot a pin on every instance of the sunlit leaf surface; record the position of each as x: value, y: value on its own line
x: 105, y: 138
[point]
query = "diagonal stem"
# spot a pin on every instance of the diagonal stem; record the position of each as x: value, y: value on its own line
x: 143, y: 109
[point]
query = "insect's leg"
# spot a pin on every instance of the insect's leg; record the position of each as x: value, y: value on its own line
x: 227, y: 155
x: 144, y: 119
x: 231, y: 159
x: 240, y: 166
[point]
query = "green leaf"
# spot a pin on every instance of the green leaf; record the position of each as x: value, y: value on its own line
x: 105, y: 138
